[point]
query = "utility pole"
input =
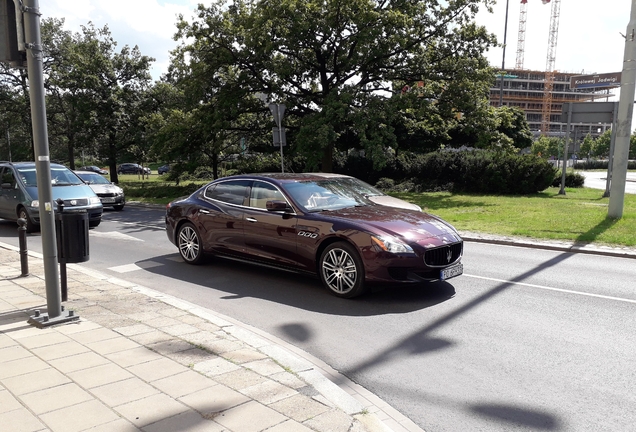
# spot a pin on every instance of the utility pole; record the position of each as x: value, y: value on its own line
x: 625, y: 110
x: 33, y: 44
x: 503, y: 61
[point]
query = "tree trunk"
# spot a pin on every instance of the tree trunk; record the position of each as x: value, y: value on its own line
x: 327, y: 159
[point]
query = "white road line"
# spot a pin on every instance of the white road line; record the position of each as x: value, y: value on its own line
x: 125, y: 268
x: 553, y: 289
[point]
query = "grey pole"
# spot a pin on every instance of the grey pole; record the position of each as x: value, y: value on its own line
x: 503, y: 61
x: 280, y: 138
x: 33, y: 45
x: 610, y: 159
x: 565, y: 149
x: 625, y: 110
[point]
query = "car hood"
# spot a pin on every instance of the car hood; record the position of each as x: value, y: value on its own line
x: 390, y: 201
x: 105, y: 188
x: 64, y: 192
x: 411, y: 226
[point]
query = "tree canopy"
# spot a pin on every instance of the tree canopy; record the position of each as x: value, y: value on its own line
x: 340, y: 66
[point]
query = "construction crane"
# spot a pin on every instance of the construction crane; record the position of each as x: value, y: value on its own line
x: 546, y: 110
x: 549, y: 66
x: 521, y: 39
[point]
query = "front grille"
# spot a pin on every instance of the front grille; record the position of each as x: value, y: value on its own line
x: 77, y: 202
x: 443, y: 255
x: 107, y: 195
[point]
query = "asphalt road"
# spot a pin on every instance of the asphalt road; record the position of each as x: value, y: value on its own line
x: 598, y: 180
x: 526, y: 340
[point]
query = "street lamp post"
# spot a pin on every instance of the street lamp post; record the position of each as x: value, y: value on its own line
x: 503, y: 60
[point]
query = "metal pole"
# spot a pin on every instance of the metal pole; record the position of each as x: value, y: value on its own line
x: 24, y: 252
x: 280, y: 138
x: 625, y: 110
x: 42, y: 159
x: 565, y: 149
x: 610, y: 158
x: 503, y: 61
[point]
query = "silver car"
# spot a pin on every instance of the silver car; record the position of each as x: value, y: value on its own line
x: 109, y: 193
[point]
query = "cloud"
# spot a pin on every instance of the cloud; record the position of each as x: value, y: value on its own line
x: 148, y: 24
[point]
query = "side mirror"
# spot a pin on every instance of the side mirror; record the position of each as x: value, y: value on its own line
x: 277, y: 205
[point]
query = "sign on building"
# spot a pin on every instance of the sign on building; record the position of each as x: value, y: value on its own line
x: 596, y: 80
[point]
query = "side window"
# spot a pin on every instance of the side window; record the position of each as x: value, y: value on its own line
x: 7, y: 176
x: 263, y: 192
x: 231, y: 192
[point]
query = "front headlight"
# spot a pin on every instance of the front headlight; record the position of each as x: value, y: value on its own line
x: 94, y: 200
x: 35, y: 203
x: 391, y: 244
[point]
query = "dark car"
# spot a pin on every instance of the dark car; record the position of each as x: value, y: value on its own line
x: 110, y: 194
x: 163, y: 169
x: 94, y: 169
x: 316, y: 225
x: 132, y: 168
x: 19, y: 193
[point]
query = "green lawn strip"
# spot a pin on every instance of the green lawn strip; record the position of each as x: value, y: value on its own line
x: 579, y: 215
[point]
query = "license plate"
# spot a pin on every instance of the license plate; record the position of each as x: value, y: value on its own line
x: 451, y: 272
x: 108, y: 200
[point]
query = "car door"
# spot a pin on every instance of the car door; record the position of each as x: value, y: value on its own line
x: 222, y: 217
x: 269, y: 235
x: 9, y: 193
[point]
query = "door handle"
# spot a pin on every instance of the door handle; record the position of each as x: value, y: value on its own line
x: 251, y: 219
x: 204, y: 211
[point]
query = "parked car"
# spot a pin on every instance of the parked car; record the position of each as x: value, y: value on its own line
x: 132, y: 168
x: 109, y: 193
x: 370, y: 192
x: 163, y: 169
x: 317, y: 225
x: 94, y: 169
x: 19, y: 193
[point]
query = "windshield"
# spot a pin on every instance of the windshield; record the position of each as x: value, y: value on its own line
x: 328, y: 194
x: 60, y: 176
x: 93, y: 178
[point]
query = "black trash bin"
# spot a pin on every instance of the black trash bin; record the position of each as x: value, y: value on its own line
x: 72, y: 236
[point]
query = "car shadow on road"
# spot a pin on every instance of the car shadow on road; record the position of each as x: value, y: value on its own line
x: 240, y: 280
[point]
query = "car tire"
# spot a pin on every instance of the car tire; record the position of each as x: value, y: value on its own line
x: 119, y: 207
x: 341, y: 270
x: 189, y: 244
x: 30, y: 225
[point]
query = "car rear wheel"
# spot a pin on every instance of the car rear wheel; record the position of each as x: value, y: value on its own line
x: 30, y: 225
x: 342, y: 271
x: 189, y: 244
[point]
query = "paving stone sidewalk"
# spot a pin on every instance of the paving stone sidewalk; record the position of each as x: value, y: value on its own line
x: 138, y: 360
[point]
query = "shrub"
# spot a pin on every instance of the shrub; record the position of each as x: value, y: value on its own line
x: 572, y: 179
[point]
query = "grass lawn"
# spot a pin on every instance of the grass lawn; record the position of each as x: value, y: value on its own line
x: 579, y: 215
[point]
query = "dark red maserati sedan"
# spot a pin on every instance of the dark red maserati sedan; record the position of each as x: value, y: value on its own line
x: 314, y: 224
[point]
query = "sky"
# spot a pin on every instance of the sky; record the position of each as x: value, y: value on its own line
x: 589, y: 37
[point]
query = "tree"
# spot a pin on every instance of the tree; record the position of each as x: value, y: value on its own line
x: 587, y: 146
x: 340, y: 66
x: 97, y: 92
x: 547, y: 147
x: 601, y: 147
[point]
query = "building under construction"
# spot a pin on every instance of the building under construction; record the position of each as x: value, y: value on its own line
x: 525, y: 89
x: 541, y: 94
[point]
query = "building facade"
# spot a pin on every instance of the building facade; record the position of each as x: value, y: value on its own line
x: 524, y: 89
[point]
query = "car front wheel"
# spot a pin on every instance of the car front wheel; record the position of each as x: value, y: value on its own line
x: 189, y: 244
x: 341, y: 270
x: 30, y: 225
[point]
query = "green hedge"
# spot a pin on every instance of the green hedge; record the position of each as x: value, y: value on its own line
x: 572, y: 179
x: 465, y: 171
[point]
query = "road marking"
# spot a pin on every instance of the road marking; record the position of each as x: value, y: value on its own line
x: 144, y: 265
x: 114, y: 235
x: 554, y: 289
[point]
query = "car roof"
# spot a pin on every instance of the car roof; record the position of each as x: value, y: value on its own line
x: 287, y: 177
x: 32, y: 164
